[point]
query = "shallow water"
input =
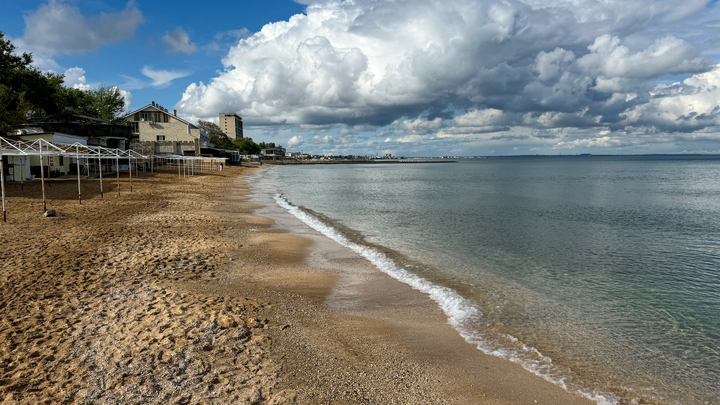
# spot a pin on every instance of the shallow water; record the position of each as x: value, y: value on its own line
x: 600, y: 273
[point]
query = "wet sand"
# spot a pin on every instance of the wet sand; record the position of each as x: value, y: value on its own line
x: 178, y: 293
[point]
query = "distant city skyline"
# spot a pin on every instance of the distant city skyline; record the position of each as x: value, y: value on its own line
x: 407, y: 78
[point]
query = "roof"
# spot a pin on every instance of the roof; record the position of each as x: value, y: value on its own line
x: 67, y: 118
x: 234, y: 114
x: 75, y: 124
x: 156, y: 108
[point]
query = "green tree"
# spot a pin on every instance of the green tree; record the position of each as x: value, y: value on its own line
x: 13, y: 109
x: 79, y: 100
x: 217, y: 136
x: 106, y: 103
x: 246, y: 146
x: 264, y: 145
x: 25, y: 90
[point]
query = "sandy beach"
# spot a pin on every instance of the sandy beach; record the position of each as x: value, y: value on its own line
x: 180, y: 293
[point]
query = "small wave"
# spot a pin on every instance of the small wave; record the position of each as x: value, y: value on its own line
x: 460, y: 312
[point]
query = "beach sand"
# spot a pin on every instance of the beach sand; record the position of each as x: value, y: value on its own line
x: 178, y: 293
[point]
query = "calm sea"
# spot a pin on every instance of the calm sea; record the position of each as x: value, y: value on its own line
x: 602, y: 274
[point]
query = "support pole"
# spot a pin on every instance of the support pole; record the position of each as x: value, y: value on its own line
x: 101, y: 189
x: 42, y: 180
x: 117, y: 170
x: 130, y: 170
x: 22, y: 174
x: 2, y: 183
x: 78, y: 170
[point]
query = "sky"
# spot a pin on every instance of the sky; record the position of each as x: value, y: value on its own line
x: 402, y: 77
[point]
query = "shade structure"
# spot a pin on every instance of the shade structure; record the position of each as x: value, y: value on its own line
x: 187, y: 165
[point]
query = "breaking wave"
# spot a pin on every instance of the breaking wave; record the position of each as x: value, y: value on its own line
x: 460, y: 312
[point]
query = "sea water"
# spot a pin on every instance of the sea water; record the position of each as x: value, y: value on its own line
x: 599, y: 273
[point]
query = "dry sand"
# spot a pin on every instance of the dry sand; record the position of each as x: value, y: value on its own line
x: 177, y: 293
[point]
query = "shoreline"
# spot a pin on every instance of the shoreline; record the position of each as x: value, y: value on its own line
x: 415, y: 325
x: 109, y: 302
x: 353, y: 162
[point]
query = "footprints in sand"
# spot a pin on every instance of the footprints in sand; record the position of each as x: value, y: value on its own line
x: 154, y: 342
x: 97, y: 308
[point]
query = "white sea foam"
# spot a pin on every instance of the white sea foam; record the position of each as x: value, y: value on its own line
x: 459, y: 311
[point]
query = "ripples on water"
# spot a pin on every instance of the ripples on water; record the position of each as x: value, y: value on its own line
x: 609, y: 266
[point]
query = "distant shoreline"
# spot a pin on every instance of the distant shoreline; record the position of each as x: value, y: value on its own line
x: 336, y: 162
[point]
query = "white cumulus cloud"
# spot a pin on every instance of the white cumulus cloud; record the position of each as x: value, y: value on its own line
x: 75, y: 78
x: 684, y: 107
x: 464, y: 68
x: 295, y: 141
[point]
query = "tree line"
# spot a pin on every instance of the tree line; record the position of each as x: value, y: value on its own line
x: 246, y: 146
x: 26, y: 92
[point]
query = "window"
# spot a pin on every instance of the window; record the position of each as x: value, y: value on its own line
x: 161, y: 137
x: 146, y: 116
x: 135, y: 127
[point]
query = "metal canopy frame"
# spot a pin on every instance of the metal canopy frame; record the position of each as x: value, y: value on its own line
x: 42, y: 148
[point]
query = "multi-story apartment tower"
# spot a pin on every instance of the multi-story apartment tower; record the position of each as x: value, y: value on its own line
x: 231, y: 124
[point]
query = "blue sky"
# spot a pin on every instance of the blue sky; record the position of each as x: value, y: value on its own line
x: 212, y: 30
x: 411, y: 78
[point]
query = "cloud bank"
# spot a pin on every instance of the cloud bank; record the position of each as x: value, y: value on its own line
x: 561, y: 74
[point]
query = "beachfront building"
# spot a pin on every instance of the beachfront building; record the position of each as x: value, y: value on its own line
x: 231, y: 124
x: 273, y: 153
x: 296, y: 155
x: 93, y: 131
x: 19, y: 168
x: 67, y: 128
x: 156, y: 131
